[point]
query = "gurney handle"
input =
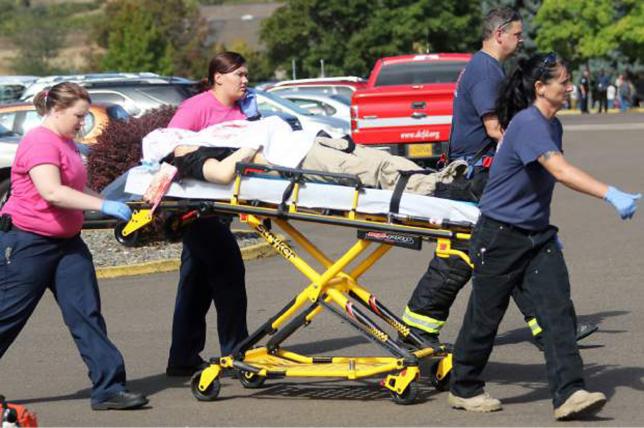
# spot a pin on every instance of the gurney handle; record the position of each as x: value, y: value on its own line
x: 247, y: 169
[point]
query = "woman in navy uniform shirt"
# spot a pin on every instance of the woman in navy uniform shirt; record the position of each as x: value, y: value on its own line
x: 514, y: 245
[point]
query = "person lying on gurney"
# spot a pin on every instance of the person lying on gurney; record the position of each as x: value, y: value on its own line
x: 212, y: 153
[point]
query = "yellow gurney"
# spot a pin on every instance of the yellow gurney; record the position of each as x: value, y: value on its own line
x: 261, y: 202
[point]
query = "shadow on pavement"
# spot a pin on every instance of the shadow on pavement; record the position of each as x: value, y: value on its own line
x: 522, y: 334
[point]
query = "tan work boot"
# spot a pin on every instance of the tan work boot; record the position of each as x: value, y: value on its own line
x: 580, y: 403
x: 481, y: 403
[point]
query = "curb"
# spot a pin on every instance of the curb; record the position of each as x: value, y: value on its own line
x: 251, y: 252
x: 611, y: 111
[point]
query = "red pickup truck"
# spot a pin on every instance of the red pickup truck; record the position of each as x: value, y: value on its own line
x: 406, y: 105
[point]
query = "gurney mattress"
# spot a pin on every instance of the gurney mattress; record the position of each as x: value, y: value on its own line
x: 313, y: 196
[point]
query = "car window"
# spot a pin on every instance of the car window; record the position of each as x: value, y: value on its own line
x: 117, y: 112
x: 328, y: 109
x: 10, y: 93
x: 346, y: 100
x: 312, y: 106
x: 344, y: 91
x: 109, y: 97
x: 90, y: 120
x: 265, y: 107
x: 172, y: 95
x: 284, y: 104
x: 4, y: 131
x: 32, y: 119
x: 416, y: 73
x: 7, y: 119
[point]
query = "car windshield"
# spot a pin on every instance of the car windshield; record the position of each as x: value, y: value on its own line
x: 417, y: 73
x: 4, y: 132
x: 117, y: 112
x: 289, y: 106
x: 167, y: 94
x: 341, y: 99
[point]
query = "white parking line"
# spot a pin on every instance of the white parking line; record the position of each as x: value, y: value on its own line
x: 604, y: 127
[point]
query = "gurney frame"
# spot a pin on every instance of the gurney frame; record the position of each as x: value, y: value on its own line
x: 333, y: 289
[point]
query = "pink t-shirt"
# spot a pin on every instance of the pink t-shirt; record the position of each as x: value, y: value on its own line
x: 203, y: 110
x: 28, y: 210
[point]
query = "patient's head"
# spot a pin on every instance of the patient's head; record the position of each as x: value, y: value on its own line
x: 228, y: 75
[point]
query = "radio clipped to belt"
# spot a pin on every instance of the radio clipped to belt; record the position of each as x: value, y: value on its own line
x: 5, y: 223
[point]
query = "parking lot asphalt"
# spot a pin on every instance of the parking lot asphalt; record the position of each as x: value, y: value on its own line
x: 604, y: 254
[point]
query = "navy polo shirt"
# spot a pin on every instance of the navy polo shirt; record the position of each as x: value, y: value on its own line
x: 475, y: 96
x: 519, y: 189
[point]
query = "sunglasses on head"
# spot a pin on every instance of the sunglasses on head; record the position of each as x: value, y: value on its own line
x: 548, y: 61
x: 507, y: 22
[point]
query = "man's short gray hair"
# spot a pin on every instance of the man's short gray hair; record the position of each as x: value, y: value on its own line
x: 498, y: 17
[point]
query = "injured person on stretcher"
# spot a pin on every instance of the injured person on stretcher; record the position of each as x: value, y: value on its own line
x: 211, y: 155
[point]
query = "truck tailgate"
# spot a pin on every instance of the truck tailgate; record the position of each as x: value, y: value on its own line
x: 403, y: 114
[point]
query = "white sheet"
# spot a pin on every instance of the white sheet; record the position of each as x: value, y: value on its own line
x: 313, y: 195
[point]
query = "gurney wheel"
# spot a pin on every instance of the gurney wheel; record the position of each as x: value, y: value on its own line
x: 251, y: 380
x: 408, y: 396
x: 439, y: 384
x: 129, y: 240
x: 210, y: 394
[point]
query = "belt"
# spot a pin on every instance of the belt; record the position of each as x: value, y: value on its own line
x: 498, y: 223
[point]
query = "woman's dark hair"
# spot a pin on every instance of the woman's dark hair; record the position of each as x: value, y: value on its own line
x: 517, y: 91
x: 224, y: 62
x: 62, y: 95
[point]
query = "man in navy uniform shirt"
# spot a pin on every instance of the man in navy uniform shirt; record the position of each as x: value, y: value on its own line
x: 475, y: 131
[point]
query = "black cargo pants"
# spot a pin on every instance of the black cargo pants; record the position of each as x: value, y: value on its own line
x: 506, y: 258
x: 431, y: 300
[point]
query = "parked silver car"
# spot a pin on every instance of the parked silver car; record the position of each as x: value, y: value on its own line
x: 135, y: 92
x: 338, y: 106
x: 268, y: 102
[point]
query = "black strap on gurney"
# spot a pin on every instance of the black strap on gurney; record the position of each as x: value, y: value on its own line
x: 394, y: 205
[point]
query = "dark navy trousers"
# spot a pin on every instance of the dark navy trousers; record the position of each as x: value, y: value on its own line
x: 212, y: 270
x: 30, y: 264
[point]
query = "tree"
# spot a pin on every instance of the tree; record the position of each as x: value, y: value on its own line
x: 38, y: 35
x: 351, y: 36
x: 167, y: 37
x: 581, y: 30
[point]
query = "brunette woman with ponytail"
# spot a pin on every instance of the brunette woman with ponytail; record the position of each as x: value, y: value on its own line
x: 42, y: 247
x: 514, y: 245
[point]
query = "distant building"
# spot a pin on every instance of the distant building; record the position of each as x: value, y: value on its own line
x: 234, y: 23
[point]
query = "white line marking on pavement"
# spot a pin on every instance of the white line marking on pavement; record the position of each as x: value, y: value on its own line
x: 605, y: 127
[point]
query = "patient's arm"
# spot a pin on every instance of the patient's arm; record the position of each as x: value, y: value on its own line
x: 223, y: 172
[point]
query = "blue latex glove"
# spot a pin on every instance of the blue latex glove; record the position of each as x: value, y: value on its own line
x: 623, y: 202
x: 116, y: 209
x: 248, y: 103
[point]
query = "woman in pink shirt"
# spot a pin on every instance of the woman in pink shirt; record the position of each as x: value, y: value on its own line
x: 41, y: 247
x: 212, y: 269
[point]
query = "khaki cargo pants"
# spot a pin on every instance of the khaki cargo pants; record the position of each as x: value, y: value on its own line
x: 375, y: 168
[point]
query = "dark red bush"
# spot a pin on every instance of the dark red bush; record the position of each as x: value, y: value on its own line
x: 118, y: 148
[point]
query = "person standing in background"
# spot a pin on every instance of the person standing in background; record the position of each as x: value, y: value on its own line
x: 603, y: 82
x: 584, y: 91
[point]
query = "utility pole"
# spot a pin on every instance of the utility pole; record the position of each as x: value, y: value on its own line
x: 293, y: 73
x: 322, y: 68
